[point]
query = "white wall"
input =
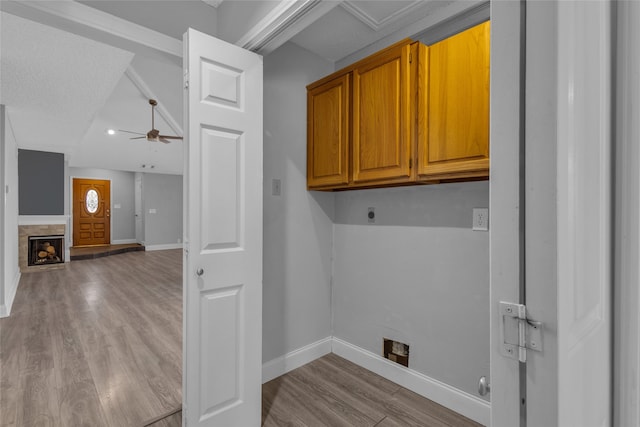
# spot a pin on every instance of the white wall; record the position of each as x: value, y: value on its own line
x: 418, y: 275
x: 9, y: 251
x: 297, y: 224
x: 162, y: 210
x: 122, y: 200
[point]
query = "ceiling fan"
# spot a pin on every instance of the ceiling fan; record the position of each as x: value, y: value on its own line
x: 153, y: 134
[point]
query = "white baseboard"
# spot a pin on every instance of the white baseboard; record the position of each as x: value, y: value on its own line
x: 463, y: 403
x: 124, y: 242
x: 163, y: 247
x: 294, y: 359
x: 5, y: 309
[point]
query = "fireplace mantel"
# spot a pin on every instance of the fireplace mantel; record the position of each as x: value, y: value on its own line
x: 43, y: 219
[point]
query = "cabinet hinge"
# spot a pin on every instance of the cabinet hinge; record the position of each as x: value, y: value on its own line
x: 517, y: 332
x: 410, y: 163
x: 185, y: 79
x: 410, y: 58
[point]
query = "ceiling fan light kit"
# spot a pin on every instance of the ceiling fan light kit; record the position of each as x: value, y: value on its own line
x: 154, y: 134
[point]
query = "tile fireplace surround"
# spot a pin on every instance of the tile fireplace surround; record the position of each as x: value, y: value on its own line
x: 24, y: 231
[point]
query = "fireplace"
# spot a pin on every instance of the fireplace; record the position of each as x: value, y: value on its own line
x: 44, y: 250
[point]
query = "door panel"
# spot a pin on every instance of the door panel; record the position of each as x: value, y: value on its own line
x: 381, y: 117
x: 223, y: 234
x: 328, y: 133
x: 91, y: 212
x: 584, y: 214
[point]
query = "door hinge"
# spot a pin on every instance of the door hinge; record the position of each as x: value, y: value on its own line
x: 518, y: 333
x: 185, y: 79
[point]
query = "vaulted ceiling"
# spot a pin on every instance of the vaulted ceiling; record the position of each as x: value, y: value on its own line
x: 71, y: 70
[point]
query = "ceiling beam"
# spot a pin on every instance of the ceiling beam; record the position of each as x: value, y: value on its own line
x: 86, y: 21
x: 286, y: 20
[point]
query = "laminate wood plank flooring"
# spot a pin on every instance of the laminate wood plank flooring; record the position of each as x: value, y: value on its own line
x: 332, y: 391
x: 98, y: 343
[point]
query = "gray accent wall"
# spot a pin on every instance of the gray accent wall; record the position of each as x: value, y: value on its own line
x: 418, y: 275
x: 162, y: 208
x: 41, y: 176
x: 297, y: 224
x: 122, y: 200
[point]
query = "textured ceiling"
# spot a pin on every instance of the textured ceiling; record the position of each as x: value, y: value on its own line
x: 100, y: 150
x: 53, y: 82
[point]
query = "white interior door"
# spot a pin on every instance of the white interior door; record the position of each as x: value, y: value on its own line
x: 223, y: 234
x: 560, y: 177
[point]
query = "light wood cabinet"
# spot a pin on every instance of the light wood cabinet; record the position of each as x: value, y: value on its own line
x: 382, y: 117
x: 455, y: 141
x: 409, y: 114
x: 328, y: 133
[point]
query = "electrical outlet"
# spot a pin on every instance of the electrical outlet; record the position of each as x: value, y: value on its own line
x: 480, y: 219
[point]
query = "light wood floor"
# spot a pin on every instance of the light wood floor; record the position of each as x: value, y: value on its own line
x: 332, y: 391
x: 99, y: 344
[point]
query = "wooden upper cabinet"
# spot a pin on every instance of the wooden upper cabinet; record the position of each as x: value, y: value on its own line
x: 455, y: 141
x: 328, y: 133
x: 382, y: 119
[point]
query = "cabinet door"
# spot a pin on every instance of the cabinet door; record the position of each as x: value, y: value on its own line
x: 455, y: 143
x: 328, y: 134
x: 381, y: 118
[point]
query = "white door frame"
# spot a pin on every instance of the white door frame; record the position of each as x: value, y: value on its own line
x: 505, y: 199
x: 627, y: 219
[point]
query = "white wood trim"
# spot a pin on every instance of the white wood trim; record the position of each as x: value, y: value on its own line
x: 463, y: 403
x: 66, y: 14
x: 627, y: 218
x: 124, y: 241
x: 441, y: 15
x: 144, y: 89
x: 285, y: 21
x: 163, y: 247
x: 294, y: 359
x: 504, y: 202
x: 43, y: 219
x: 373, y: 23
x: 213, y: 3
x: 5, y: 309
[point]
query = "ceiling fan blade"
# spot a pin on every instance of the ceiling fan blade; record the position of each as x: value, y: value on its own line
x: 169, y: 137
x: 164, y: 141
x: 139, y: 137
x: 128, y: 131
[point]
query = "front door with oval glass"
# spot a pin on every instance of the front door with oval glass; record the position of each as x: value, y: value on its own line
x: 91, y: 212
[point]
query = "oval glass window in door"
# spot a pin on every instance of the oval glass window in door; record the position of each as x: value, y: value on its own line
x: 91, y: 201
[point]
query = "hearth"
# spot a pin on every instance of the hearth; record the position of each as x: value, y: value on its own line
x: 45, y: 250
